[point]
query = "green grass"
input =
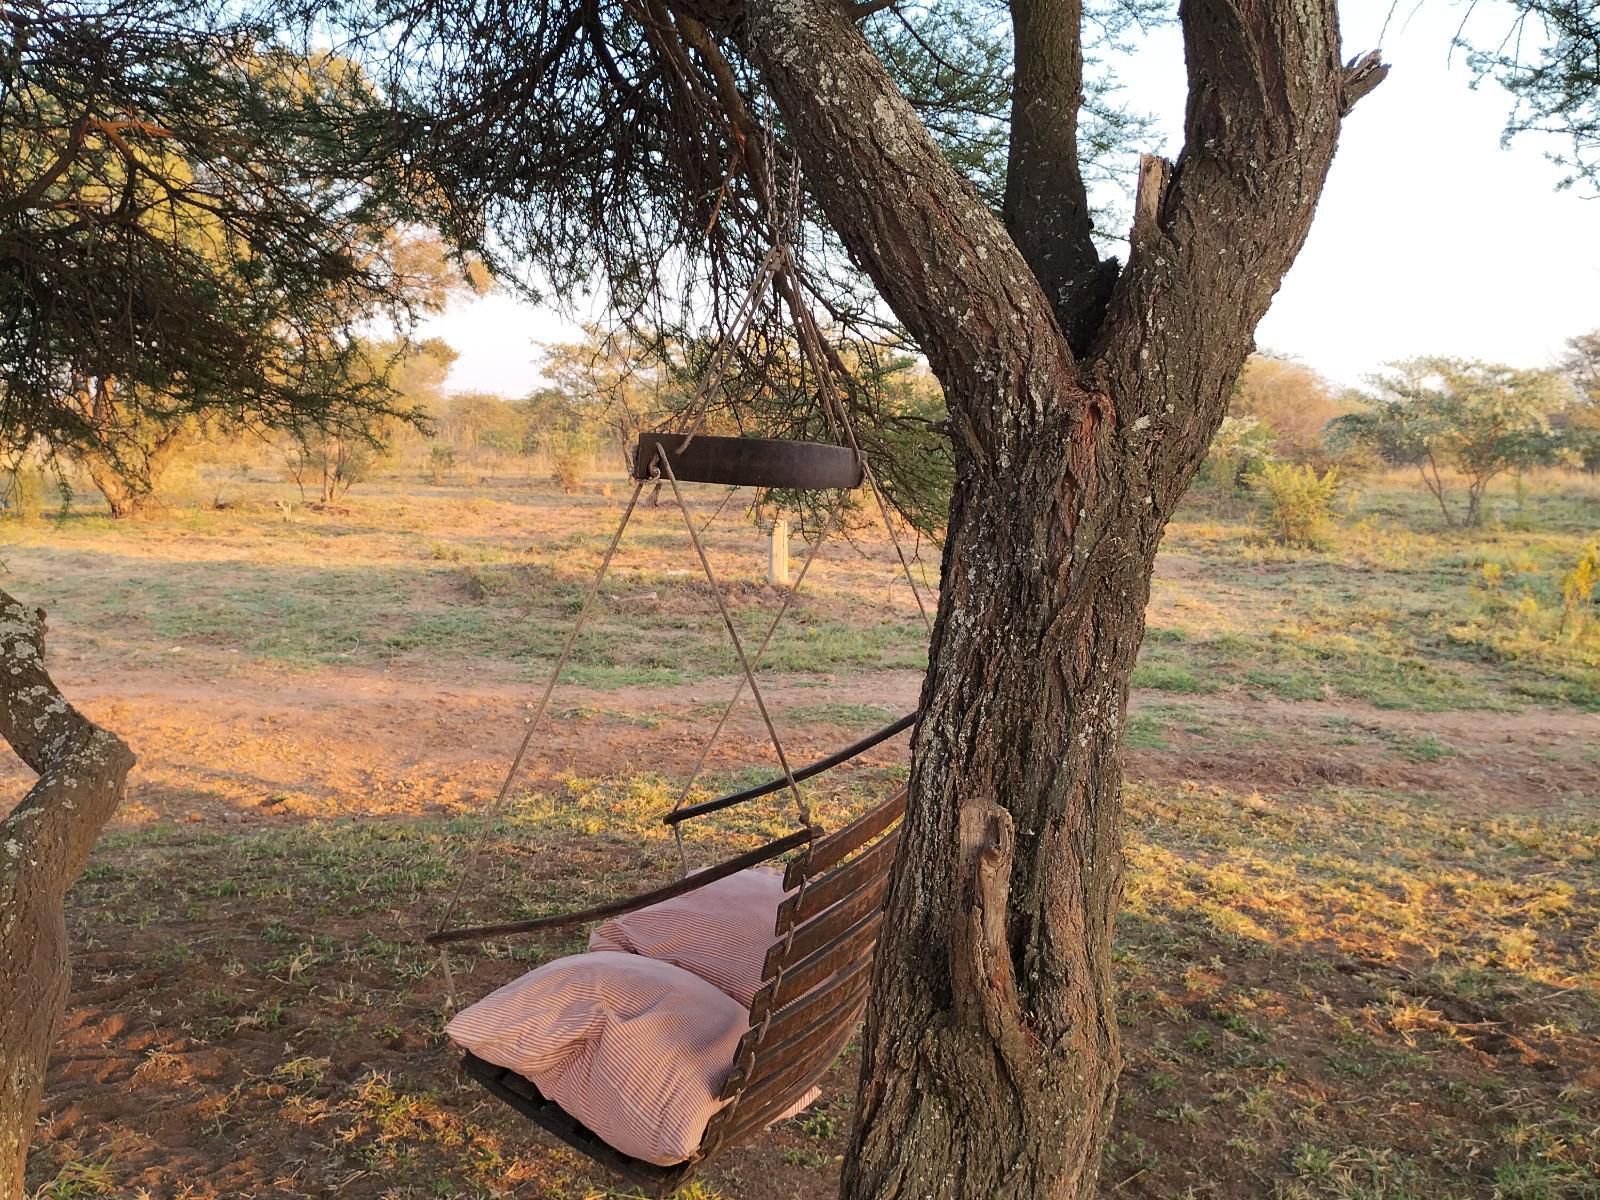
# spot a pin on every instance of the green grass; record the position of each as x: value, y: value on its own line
x: 1396, y: 611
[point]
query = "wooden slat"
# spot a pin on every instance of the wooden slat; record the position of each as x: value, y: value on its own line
x: 826, y: 926
x: 614, y: 908
x: 828, y: 890
x: 800, y: 977
x: 756, y: 1047
x: 805, y: 1009
x: 840, y: 843
x: 752, y: 1063
x: 780, y: 1056
x: 760, y: 1106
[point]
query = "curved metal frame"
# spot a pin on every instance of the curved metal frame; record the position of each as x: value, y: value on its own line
x: 806, y: 772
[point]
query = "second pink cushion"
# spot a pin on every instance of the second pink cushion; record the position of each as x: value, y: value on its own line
x: 720, y: 932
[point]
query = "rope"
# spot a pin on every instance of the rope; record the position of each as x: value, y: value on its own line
x: 494, y: 808
x: 788, y: 599
x: 743, y: 315
x: 811, y: 344
x: 801, y: 808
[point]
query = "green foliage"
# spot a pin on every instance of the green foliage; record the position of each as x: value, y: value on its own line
x: 1242, y: 446
x: 1581, y: 367
x: 1297, y: 501
x: 337, y: 457
x: 1549, y: 60
x: 184, y: 235
x: 22, y: 490
x: 616, y: 177
x: 1291, y: 400
x: 1442, y: 414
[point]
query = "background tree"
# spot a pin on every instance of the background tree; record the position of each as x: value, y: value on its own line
x: 370, y: 389
x: 1478, y: 419
x: 176, y: 241
x: 612, y: 383
x: 660, y: 148
x: 1581, y: 367
x: 174, y: 220
x: 338, y: 454
x: 1291, y: 400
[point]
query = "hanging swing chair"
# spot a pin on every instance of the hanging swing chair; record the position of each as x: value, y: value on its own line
x: 816, y: 973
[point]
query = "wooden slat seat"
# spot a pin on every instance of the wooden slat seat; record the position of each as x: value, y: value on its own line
x: 818, y: 973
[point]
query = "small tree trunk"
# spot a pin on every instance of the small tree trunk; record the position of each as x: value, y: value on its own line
x: 1474, y: 504
x: 129, y: 486
x: 44, y: 844
x: 124, y: 499
x: 1435, y: 484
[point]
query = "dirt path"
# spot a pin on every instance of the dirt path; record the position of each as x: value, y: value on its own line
x: 261, y: 745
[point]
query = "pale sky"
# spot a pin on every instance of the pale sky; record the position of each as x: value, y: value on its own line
x: 1430, y: 238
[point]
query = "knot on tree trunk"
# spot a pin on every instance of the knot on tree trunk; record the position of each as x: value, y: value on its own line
x: 983, y: 981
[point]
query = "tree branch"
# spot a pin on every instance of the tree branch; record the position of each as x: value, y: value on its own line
x: 938, y: 256
x: 1046, y: 207
x: 1214, y: 233
x: 983, y: 981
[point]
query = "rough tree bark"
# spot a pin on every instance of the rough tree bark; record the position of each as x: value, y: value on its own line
x: 1081, y: 402
x: 44, y: 844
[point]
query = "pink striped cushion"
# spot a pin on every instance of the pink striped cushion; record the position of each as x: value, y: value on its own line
x: 720, y: 932
x: 634, y: 1048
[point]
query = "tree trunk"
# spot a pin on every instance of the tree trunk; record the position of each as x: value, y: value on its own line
x: 134, y: 451
x: 44, y: 844
x: 989, y: 1069
x: 1081, y: 402
x: 124, y: 499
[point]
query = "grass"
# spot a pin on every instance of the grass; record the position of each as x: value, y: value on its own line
x: 1331, y: 994
x: 1357, y: 956
x: 1396, y: 612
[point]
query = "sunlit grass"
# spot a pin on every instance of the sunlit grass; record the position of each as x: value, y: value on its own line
x: 1397, y: 611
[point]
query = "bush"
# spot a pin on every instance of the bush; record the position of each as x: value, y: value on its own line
x: 22, y: 491
x: 1580, y: 589
x: 1297, y: 501
x: 1242, y: 446
x: 569, y: 460
x: 441, y: 461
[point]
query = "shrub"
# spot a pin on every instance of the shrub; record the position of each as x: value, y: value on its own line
x: 1298, y: 502
x: 1578, y: 591
x: 441, y: 461
x: 1241, y: 446
x: 571, y: 455
x: 22, y: 492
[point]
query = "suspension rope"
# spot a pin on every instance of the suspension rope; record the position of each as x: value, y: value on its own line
x: 811, y: 344
x: 789, y: 597
x: 488, y: 815
x: 802, y: 809
x: 700, y: 402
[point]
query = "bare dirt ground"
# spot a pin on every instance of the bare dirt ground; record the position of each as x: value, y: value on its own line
x: 262, y: 745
